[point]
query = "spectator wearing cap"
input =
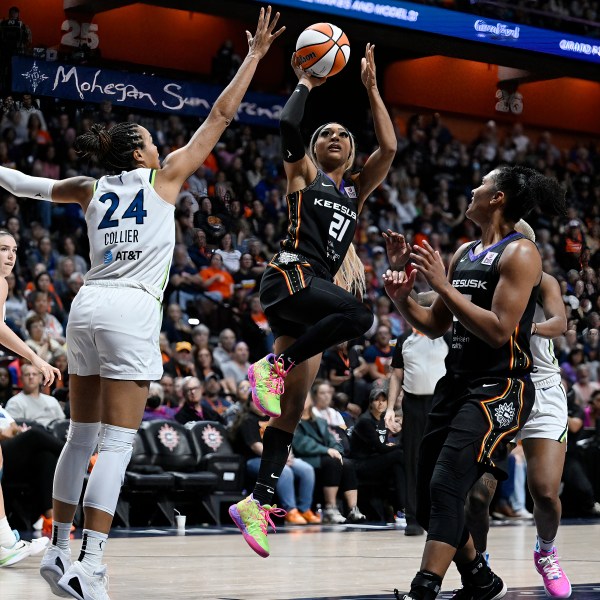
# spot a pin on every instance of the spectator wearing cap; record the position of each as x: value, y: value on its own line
x: 192, y: 408
x: 215, y: 397
x: 182, y: 362
x: 376, y: 458
x: 236, y: 369
x: 379, y: 260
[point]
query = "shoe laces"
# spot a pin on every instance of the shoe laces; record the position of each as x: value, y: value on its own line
x: 277, y: 375
x: 264, y: 516
x: 550, y: 566
x: 102, y: 577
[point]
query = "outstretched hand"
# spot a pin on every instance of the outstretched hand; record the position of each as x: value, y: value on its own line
x: 49, y: 373
x: 260, y: 43
x: 397, y: 250
x: 367, y: 67
x: 310, y: 81
x: 428, y: 261
x: 398, y: 284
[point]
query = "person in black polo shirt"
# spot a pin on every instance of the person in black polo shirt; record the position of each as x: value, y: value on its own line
x: 375, y: 458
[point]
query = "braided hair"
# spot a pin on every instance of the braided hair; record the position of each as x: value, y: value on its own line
x: 525, y: 189
x: 113, y: 148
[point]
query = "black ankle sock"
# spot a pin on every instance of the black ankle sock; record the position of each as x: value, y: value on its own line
x: 476, y: 572
x: 425, y: 586
x: 276, y: 449
x: 288, y: 361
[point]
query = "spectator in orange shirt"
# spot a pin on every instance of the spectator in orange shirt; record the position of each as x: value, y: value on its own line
x: 217, y: 281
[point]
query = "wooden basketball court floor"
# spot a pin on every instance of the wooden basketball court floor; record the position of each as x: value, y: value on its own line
x: 306, y: 563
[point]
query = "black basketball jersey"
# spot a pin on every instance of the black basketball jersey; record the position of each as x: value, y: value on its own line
x: 476, y: 276
x: 322, y: 222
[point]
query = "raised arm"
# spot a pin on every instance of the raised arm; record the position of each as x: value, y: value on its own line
x: 554, y: 310
x: 179, y: 165
x: 73, y: 189
x: 379, y: 163
x: 299, y: 168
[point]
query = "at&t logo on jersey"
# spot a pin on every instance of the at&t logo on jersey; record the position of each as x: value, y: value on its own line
x: 121, y: 255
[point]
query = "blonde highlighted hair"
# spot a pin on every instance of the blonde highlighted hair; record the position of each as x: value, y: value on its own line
x: 351, y: 275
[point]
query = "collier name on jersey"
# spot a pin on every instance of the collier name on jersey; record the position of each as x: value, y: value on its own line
x: 119, y: 237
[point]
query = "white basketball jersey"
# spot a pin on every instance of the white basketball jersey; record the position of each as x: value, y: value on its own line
x: 545, y: 364
x: 131, y: 230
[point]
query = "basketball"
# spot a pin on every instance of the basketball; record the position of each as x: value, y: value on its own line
x: 323, y: 49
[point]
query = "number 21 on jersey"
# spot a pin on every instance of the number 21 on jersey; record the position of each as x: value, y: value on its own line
x: 338, y: 227
x: 134, y: 211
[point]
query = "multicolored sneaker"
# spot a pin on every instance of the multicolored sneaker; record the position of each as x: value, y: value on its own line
x: 16, y: 553
x: 556, y: 583
x: 266, y: 379
x: 252, y: 520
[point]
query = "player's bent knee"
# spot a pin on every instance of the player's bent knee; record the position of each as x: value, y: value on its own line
x: 74, y: 460
x: 115, y: 449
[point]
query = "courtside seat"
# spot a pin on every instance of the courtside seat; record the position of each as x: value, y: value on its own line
x: 59, y: 429
x: 170, y: 446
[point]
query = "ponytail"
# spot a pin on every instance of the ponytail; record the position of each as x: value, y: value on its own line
x: 525, y: 189
x: 113, y: 148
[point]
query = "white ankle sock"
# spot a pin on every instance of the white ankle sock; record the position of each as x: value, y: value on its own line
x: 544, y: 545
x: 7, y: 537
x: 61, y: 534
x: 92, y: 550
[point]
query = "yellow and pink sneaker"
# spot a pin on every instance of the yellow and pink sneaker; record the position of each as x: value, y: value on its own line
x: 252, y: 519
x: 266, y: 380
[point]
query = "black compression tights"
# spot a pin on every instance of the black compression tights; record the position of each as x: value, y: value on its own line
x: 334, y: 316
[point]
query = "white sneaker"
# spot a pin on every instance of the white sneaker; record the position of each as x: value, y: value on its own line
x: 16, y: 553
x: 355, y: 516
x: 523, y: 513
x: 38, y: 545
x: 333, y: 516
x: 53, y: 566
x: 82, y: 586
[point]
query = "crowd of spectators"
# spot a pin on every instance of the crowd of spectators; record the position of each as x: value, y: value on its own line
x: 229, y: 218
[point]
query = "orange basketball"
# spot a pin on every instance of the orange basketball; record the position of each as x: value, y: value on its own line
x: 323, y: 49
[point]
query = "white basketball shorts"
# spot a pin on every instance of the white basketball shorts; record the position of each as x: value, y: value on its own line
x: 548, y: 418
x: 113, y: 332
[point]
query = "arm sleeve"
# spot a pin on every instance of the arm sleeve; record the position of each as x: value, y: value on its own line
x: 25, y: 186
x: 289, y: 125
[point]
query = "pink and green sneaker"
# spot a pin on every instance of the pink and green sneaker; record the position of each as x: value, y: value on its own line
x: 266, y: 379
x: 252, y: 520
x: 556, y: 583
